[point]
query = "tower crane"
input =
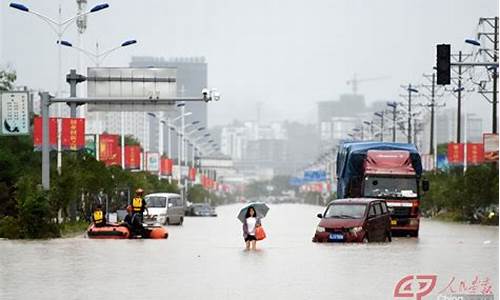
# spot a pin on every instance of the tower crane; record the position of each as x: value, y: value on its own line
x: 354, y: 81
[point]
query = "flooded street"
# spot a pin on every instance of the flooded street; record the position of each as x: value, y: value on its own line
x: 205, y: 259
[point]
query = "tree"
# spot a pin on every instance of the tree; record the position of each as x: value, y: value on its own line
x: 7, y: 79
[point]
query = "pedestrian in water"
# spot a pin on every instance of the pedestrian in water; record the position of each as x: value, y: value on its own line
x: 252, y: 221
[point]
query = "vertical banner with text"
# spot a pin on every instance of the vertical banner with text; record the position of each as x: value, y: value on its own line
x: 73, y: 134
x: 109, y: 149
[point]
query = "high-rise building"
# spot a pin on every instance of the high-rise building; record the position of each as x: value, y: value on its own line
x: 191, y: 79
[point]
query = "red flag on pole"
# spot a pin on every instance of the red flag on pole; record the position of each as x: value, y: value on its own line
x: 166, y: 166
x: 37, y: 133
x: 132, y: 157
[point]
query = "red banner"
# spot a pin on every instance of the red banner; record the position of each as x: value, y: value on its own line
x: 475, y: 154
x: 192, y: 174
x: 37, y: 133
x: 455, y: 154
x: 166, y: 166
x: 132, y: 157
x: 109, y: 150
x: 73, y: 134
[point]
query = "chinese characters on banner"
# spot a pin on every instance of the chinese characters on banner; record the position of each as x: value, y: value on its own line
x: 475, y: 154
x: 109, y: 149
x: 73, y: 134
x: 37, y: 133
x: 166, y: 166
x: 456, y: 154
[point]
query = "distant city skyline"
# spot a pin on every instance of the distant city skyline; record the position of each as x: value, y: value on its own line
x: 297, y: 54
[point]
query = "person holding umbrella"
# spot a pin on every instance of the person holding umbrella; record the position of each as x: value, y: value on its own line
x: 250, y: 215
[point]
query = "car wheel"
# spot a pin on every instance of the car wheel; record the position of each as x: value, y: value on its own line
x: 167, y: 221
x: 366, y: 239
x: 414, y: 234
x: 182, y: 221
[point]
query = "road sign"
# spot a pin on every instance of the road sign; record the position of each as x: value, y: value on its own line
x: 15, y: 113
x: 153, y: 83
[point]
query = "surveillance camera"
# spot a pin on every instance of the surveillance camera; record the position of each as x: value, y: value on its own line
x: 216, y: 96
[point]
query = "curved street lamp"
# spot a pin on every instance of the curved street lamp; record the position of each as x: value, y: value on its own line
x: 97, y: 57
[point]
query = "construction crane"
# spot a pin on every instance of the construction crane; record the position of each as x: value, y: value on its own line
x: 355, y: 81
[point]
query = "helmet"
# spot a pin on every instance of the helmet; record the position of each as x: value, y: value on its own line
x: 139, y: 191
x: 129, y: 208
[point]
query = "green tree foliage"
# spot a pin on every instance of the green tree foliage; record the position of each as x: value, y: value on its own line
x: 7, y: 79
x: 462, y: 195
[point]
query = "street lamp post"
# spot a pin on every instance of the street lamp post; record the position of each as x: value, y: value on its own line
x: 97, y: 57
x: 59, y: 27
x: 410, y: 91
x: 381, y: 115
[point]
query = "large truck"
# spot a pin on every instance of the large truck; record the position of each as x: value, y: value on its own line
x: 389, y: 171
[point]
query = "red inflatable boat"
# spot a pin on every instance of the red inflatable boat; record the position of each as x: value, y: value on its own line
x: 122, y: 232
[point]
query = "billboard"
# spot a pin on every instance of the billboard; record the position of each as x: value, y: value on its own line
x: 90, y: 144
x: 73, y: 134
x: 314, y: 175
x: 14, y: 114
x: 490, y: 143
x: 152, y: 161
x: 131, y: 82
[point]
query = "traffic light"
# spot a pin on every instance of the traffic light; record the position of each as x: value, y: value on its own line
x: 443, y: 64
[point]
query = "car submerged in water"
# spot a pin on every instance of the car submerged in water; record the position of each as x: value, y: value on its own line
x: 354, y: 220
x: 201, y: 210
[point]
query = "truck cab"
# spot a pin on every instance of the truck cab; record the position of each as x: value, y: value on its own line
x: 389, y: 171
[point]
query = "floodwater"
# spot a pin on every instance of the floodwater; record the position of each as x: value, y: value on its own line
x: 205, y: 259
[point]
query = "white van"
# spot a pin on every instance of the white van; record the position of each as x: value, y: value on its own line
x: 164, y: 208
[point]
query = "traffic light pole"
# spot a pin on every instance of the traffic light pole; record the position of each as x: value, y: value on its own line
x: 433, y: 104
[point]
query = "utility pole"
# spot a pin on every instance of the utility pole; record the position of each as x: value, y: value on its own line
x: 409, y: 113
x: 410, y: 90
x: 459, y: 98
x: 394, y: 106
x: 495, y: 77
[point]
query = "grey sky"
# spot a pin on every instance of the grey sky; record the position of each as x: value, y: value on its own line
x: 286, y: 54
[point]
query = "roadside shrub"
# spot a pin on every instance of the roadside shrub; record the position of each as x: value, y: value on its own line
x: 9, y: 228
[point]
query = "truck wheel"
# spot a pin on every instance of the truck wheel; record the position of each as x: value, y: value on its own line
x: 182, y: 221
x: 167, y: 221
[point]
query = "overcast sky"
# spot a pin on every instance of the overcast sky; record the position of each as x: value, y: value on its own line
x: 286, y: 54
